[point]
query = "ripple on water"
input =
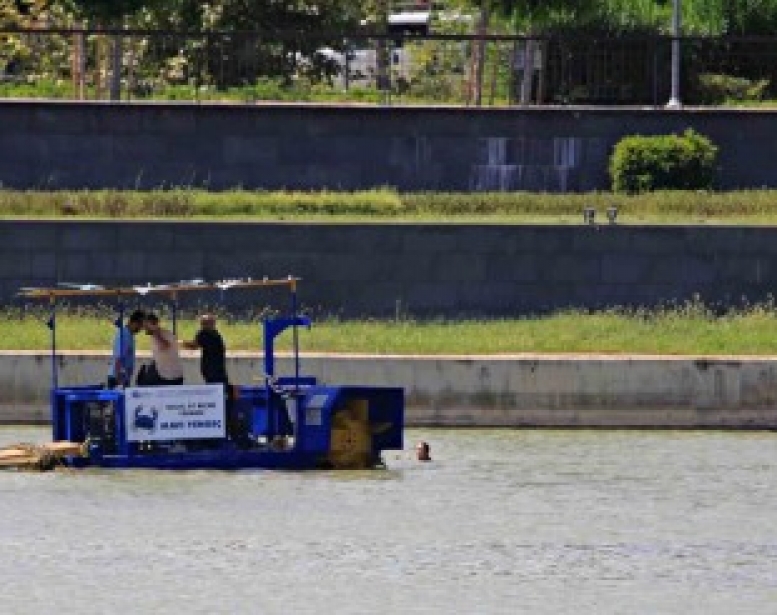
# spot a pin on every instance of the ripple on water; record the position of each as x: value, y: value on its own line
x: 500, y: 522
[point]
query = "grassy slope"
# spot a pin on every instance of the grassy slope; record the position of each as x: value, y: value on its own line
x: 385, y: 205
x: 687, y: 330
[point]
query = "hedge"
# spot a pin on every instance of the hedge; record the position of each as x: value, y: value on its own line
x: 663, y: 162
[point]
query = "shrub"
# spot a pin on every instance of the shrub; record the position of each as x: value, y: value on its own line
x: 719, y: 89
x: 663, y: 162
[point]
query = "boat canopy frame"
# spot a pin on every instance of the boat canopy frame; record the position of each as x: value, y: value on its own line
x: 272, y: 327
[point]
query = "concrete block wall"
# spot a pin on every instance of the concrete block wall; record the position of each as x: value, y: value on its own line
x: 55, y: 144
x: 360, y: 270
x: 504, y: 391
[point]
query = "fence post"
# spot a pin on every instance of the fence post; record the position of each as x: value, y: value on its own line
x: 527, y: 77
x: 480, y: 54
x: 79, y: 63
x: 116, y: 67
x: 674, y: 101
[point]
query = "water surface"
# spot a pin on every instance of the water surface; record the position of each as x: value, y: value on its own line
x: 591, y: 522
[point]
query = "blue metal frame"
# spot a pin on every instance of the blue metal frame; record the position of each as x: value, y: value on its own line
x: 312, y: 439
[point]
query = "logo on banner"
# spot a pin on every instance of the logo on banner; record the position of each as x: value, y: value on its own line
x: 146, y: 418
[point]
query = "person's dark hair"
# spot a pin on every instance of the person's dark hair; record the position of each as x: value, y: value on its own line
x: 152, y: 318
x: 138, y: 316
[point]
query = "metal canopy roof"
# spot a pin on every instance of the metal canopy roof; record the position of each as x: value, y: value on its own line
x: 95, y: 290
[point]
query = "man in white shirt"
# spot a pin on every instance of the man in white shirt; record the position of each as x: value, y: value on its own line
x: 167, y: 367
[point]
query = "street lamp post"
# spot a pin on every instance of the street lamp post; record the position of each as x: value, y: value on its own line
x: 674, y: 100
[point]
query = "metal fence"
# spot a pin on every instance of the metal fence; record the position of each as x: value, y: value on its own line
x: 381, y: 69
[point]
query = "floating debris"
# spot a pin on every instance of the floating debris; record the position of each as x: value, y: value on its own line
x: 38, y: 457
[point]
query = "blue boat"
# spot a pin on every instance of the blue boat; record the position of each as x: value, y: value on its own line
x: 288, y: 421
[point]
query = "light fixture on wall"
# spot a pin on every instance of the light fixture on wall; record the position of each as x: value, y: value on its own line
x: 612, y: 214
x: 589, y: 215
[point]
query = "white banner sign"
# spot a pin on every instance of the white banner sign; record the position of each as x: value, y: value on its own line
x: 178, y: 412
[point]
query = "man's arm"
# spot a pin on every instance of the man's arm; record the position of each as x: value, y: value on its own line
x: 161, y: 338
x: 193, y: 344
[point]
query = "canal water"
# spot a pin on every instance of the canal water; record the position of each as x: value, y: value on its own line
x: 557, y: 522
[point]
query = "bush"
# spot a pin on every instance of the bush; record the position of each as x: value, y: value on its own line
x: 663, y: 162
x: 719, y: 89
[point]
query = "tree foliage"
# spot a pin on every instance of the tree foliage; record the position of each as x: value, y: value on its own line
x: 736, y: 17
x: 749, y: 17
x: 251, y: 15
x: 227, y: 43
x: 699, y: 16
x: 244, y: 57
x: 108, y: 12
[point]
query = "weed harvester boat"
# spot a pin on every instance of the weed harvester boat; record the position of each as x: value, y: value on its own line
x: 286, y: 422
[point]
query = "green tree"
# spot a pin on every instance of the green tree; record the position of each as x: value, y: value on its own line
x: 749, y: 17
x: 108, y: 13
x: 532, y: 16
x: 251, y: 40
x: 310, y: 16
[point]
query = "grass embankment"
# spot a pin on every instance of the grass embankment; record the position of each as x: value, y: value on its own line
x: 386, y: 205
x: 688, y: 330
x: 685, y: 330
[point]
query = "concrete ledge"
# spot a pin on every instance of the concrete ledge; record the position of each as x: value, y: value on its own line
x: 484, y: 391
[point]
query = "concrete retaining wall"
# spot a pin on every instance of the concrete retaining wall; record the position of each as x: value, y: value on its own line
x: 53, y: 144
x: 358, y: 270
x: 517, y: 391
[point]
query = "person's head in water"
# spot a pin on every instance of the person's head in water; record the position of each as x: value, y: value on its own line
x: 423, y: 451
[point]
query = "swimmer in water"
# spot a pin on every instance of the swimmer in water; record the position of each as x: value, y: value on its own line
x: 423, y: 451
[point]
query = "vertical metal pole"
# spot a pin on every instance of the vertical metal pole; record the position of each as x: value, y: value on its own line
x: 175, y: 313
x: 116, y: 54
x: 480, y: 54
x: 382, y: 52
x: 269, y: 359
x: 294, y: 332
x: 120, y: 324
x: 655, y: 72
x: 121, y: 425
x: 674, y: 100
x: 347, y: 67
x: 298, y: 423
x: 52, y: 324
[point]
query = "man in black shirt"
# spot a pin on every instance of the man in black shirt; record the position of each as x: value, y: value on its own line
x: 214, y: 370
x: 213, y: 361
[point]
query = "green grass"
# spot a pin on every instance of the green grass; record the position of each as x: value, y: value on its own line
x: 685, y: 330
x: 265, y: 90
x: 387, y: 205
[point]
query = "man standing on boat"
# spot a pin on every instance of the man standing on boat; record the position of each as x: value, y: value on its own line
x: 123, y: 360
x: 213, y: 367
x: 213, y: 364
x: 167, y: 367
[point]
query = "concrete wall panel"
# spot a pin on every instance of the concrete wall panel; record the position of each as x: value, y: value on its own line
x: 518, y: 391
x: 358, y: 270
x: 98, y: 145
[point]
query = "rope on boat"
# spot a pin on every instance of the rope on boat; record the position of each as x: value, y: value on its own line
x: 38, y: 457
